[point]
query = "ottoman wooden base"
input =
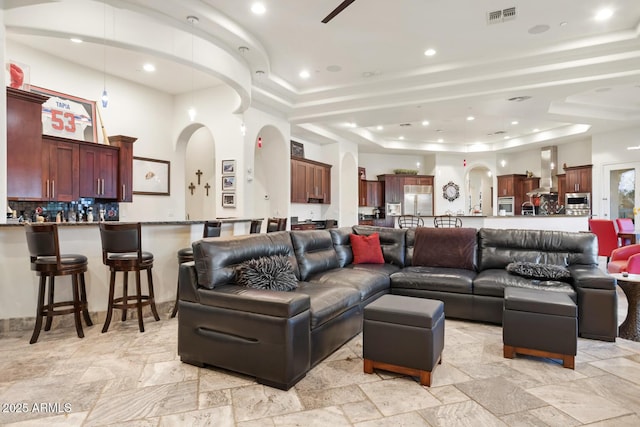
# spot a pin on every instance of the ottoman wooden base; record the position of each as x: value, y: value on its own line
x: 425, y: 376
x: 568, y: 361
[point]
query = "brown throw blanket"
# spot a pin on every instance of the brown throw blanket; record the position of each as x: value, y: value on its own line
x: 445, y: 247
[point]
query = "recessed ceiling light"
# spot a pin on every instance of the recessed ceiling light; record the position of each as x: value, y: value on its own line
x: 440, y: 140
x: 352, y: 124
x: 515, y: 122
x: 470, y: 118
x: 401, y: 137
x: 603, y: 14
x: 258, y: 8
x: 536, y: 130
x: 506, y: 137
x: 305, y: 74
x: 429, y: 52
x: 149, y: 68
x: 379, y: 127
x: 76, y: 40
x: 539, y: 29
x: 425, y: 123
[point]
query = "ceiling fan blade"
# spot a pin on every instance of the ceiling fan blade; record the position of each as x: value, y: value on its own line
x: 337, y: 10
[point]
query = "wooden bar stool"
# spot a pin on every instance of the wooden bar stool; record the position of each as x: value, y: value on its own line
x: 211, y: 229
x: 255, y: 226
x: 46, y: 260
x: 122, y: 252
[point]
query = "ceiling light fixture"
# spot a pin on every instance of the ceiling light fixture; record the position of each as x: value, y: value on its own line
x: 440, y: 140
x: 258, y: 8
x: 380, y: 127
x: 470, y: 118
x: 603, y: 14
x: 149, y: 68
x: 304, y: 74
x: 536, y: 130
x: 193, y: 20
x: 425, y: 123
x: 401, y: 137
x: 105, y: 96
x: 515, y: 122
x: 75, y: 40
x: 430, y: 52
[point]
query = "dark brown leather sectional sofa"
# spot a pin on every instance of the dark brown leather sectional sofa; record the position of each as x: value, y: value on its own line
x: 278, y: 336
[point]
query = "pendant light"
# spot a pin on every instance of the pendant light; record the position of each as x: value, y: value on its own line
x: 105, y: 96
x: 193, y: 20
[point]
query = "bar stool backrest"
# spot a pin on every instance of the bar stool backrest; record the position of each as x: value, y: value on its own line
x: 212, y: 229
x: 255, y: 226
x: 121, y: 238
x: 42, y: 240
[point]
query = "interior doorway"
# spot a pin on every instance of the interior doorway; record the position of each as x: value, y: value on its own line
x: 621, y: 181
x: 479, y: 191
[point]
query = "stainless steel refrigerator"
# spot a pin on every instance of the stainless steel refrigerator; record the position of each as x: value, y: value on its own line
x: 418, y: 200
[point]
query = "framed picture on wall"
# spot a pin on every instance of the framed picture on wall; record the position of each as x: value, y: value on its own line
x: 228, y: 183
x: 228, y: 167
x: 151, y: 176
x: 297, y: 149
x: 68, y: 116
x: 228, y: 200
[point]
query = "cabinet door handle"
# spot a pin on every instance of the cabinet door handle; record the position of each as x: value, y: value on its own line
x: 53, y: 188
x: 102, y: 186
x: 47, y: 190
x: 124, y: 194
x: 98, y: 186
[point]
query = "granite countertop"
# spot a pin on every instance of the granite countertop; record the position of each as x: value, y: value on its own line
x: 81, y: 224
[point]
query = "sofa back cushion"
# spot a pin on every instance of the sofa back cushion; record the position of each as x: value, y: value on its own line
x: 314, y: 251
x: 392, y: 242
x: 445, y: 247
x: 217, y: 258
x: 342, y: 245
x: 497, y: 248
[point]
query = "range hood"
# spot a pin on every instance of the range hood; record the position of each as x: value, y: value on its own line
x: 548, y: 172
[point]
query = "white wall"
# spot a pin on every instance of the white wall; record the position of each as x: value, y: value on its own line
x: 200, y: 156
x: 380, y: 164
x: 3, y: 124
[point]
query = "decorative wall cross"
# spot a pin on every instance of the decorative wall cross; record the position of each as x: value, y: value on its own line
x: 199, y: 173
x: 191, y: 187
x: 207, y: 187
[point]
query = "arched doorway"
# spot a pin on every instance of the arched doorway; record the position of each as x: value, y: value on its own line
x: 479, y: 182
x: 196, y: 146
x: 271, y: 175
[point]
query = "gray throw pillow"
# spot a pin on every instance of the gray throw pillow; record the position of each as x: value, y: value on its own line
x: 532, y: 270
x: 272, y: 272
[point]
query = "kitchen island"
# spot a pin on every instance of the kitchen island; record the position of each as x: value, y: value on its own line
x: 522, y: 222
x: 19, y: 285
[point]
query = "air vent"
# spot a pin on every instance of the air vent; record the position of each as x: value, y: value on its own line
x: 405, y: 124
x: 518, y: 98
x: 497, y: 16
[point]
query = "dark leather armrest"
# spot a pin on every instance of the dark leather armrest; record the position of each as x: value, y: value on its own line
x: 271, y: 303
x: 585, y: 276
x: 188, y: 282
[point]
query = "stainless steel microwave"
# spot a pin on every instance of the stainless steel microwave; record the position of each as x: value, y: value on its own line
x: 506, y: 206
x: 577, y: 203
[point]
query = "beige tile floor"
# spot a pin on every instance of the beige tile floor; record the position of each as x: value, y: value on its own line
x: 127, y: 378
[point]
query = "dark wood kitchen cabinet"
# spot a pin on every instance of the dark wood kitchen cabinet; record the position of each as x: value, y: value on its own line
x: 510, y: 185
x: 529, y: 184
x: 60, y: 167
x: 394, y: 185
x: 374, y: 193
x: 24, y: 140
x: 98, y: 171
x: 578, y: 179
x: 125, y: 165
x: 310, y: 181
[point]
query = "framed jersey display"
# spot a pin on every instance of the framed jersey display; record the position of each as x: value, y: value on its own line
x: 68, y: 116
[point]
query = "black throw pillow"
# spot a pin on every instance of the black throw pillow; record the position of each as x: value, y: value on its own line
x: 532, y: 270
x: 272, y: 272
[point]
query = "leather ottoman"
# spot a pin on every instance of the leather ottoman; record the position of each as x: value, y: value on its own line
x: 540, y: 323
x: 403, y: 335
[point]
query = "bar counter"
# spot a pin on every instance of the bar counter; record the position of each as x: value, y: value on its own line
x: 19, y: 285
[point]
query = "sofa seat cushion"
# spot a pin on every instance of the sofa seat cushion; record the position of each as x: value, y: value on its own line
x: 386, y: 269
x: 366, y: 282
x: 493, y: 281
x: 455, y: 280
x: 327, y: 302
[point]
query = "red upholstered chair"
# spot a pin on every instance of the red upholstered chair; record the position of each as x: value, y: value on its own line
x: 605, y: 231
x: 625, y: 225
x: 625, y: 258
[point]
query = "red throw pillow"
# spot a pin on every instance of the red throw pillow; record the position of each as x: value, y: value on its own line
x: 366, y: 249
